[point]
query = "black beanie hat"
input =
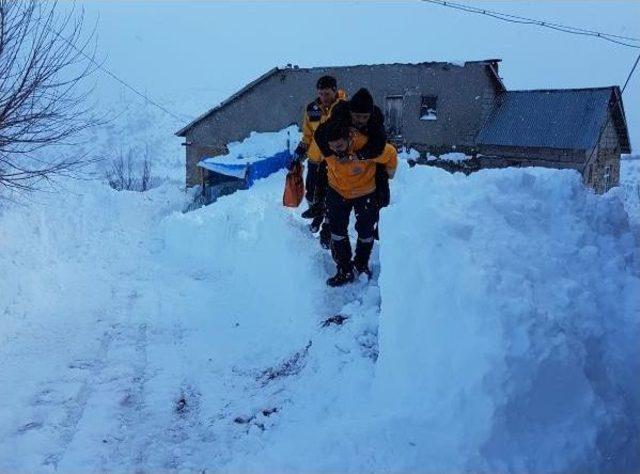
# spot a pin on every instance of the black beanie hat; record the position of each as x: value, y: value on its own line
x: 361, y: 102
x: 336, y: 129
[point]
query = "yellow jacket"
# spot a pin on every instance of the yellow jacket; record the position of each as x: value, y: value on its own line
x: 314, y: 115
x: 354, y: 178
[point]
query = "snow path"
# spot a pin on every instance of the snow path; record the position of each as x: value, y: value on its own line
x: 156, y: 365
x: 135, y: 337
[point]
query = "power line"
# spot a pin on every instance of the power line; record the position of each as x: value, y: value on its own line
x: 613, y: 38
x: 631, y: 73
x: 494, y: 14
x: 529, y: 21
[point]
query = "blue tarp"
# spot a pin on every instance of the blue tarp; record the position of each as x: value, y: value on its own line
x: 250, y: 172
x: 263, y: 168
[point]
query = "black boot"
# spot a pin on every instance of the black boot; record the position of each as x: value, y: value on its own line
x: 341, y: 251
x: 325, y: 236
x: 342, y: 277
x: 315, y: 224
x: 310, y: 213
x: 361, y: 260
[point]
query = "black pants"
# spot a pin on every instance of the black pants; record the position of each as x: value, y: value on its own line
x: 311, y: 182
x: 322, y: 184
x: 339, y: 211
x: 383, y: 194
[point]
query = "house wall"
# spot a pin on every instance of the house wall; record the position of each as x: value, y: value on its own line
x: 602, y: 171
x: 532, y: 156
x: 195, y: 153
x: 465, y: 96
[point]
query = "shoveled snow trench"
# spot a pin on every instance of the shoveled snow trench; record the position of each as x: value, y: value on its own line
x: 134, y: 336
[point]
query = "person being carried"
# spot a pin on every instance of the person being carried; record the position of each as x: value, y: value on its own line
x: 361, y: 114
x: 316, y: 113
x: 352, y: 186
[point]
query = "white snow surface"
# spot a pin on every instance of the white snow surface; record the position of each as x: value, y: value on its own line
x: 630, y: 185
x: 454, y: 156
x: 511, y: 345
x: 409, y: 154
x: 237, y: 171
x: 257, y: 146
x: 499, y: 332
x: 429, y: 116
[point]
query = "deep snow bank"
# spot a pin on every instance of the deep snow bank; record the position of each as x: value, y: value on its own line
x: 258, y: 262
x: 507, y: 337
x: 75, y: 271
x: 507, y: 333
x: 509, y: 326
x: 60, y: 249
x: 630, y: 187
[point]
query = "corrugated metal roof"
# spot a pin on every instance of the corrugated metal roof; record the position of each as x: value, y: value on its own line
x: 560, y: 118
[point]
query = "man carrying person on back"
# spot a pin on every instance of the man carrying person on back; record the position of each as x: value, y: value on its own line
x: 352, y: 185
x: 361, y: 114
x: 316, y: 113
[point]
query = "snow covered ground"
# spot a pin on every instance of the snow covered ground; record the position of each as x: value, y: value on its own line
x: 499, y: 333
x: 630, y: 185
x: 513, y: 344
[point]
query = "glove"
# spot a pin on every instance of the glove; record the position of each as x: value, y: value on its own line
x: 300, y: 150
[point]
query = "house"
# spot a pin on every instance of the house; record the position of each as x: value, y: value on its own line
x: 436, y: 107
x: 582, y: 129
x: 429, y: 106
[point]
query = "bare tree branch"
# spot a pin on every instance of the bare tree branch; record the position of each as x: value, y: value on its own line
x: 123, y: 175
x: 44, y: 62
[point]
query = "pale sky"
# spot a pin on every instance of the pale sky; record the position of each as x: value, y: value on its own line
x: 208, y: 50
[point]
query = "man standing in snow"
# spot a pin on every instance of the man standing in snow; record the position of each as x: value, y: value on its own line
x: 352, y: 185
x: 361, y: 114
x: 316, y: 113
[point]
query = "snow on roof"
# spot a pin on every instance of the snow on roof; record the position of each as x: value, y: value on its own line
x: 256, y: 147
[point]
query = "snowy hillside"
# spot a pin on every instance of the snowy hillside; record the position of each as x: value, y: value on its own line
x: 497, y: 335
x: 135, y: 128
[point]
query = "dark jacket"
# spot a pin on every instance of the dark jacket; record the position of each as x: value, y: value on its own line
x: 375, y: 132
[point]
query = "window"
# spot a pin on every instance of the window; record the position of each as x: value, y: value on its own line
x: 428, y: 109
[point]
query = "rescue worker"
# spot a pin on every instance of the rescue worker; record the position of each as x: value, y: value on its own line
x: 352, y: 186
x: 360, y: 113
x: 363, y: 115
x: 316, y: 112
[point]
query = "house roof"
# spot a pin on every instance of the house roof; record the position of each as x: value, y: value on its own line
x: 231, y: 98
x: 182, y: 132
x: 554, y: 118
